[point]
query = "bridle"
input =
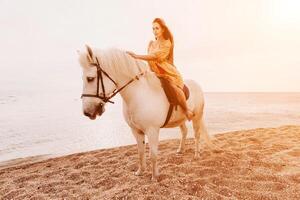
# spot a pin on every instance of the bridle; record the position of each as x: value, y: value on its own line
x: 100, y: 73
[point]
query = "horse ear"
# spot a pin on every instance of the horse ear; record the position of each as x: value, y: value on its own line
x: 90, y: 53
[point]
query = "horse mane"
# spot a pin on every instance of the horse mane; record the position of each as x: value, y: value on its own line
x: 118, y: 63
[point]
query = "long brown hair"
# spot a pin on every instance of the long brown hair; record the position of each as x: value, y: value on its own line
x: 167, y: 36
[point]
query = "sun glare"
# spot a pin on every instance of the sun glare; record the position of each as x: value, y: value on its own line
x: 284, y: 12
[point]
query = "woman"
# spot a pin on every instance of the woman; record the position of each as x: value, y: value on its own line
x: 160, y: 59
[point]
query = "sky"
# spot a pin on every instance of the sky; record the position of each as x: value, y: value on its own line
x: 225, y: 45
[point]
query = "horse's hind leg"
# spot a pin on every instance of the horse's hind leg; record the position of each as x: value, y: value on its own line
x: 140, y: 139
x: 184, y: 132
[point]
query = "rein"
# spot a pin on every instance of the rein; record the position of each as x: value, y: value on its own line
x: 100, y: 73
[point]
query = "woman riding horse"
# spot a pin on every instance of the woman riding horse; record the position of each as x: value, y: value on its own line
x: 160, y: 60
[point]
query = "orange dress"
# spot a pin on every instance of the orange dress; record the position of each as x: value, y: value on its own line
x: 162, y: 65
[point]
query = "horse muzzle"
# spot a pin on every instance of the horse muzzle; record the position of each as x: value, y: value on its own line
x: 99, y: 110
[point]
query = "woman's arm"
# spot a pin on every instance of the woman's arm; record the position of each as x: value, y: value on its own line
x: 160, y: 54
x: 149, y: 57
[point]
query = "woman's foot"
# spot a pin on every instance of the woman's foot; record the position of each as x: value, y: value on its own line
x: 189, y: 115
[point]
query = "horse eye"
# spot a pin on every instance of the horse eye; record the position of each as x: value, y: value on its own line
x: 89, y: 79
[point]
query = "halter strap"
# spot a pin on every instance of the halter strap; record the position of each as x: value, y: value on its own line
x: 100, y: 76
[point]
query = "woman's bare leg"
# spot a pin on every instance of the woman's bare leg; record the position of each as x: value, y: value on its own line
x: 182, y: 101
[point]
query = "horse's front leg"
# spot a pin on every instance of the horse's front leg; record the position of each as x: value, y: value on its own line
x: 140, y: 139
x: 153, y: 134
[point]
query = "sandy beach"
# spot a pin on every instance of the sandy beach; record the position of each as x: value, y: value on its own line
x: 261, y: 163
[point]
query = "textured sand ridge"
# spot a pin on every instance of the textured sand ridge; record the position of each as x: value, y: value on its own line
x: 252, y: 164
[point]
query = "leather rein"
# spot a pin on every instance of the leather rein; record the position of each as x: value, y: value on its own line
x: 100, y: 73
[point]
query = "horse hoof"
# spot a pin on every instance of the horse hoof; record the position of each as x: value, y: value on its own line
x: 179, y: 152
x: 196, y: 156
x: 138, y: 173
x: 154, y: 179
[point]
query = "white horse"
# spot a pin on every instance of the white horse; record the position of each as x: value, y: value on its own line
x: 145, y: 105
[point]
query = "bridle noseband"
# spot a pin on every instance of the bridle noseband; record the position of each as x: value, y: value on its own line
x: 100, y: 73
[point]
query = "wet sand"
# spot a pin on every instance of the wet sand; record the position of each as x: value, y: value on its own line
x: 260, y: 163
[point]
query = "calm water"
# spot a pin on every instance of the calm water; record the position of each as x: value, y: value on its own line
x: 52, y: 123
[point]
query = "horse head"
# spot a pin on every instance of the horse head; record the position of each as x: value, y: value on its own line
x: 97, y: 84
